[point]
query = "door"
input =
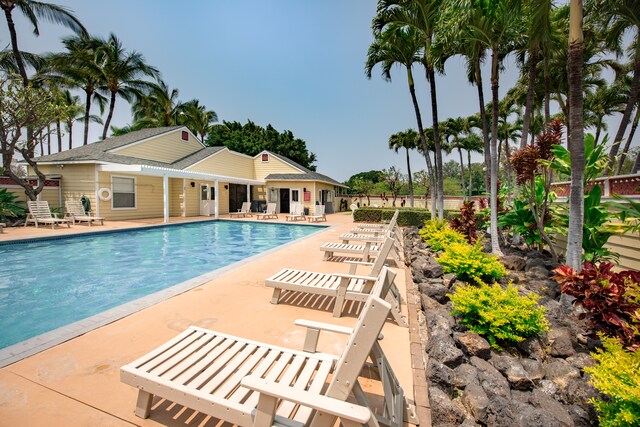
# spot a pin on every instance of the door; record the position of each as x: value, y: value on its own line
x: 237, y: 196
x: 284, y: 200
x: 205, y: 203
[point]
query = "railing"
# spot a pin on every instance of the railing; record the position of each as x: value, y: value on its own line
x: 625, y: 185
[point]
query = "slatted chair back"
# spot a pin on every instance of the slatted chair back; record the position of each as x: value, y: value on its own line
x: 39, y: 209
x: 318, y: 210
x: 357, y: 350
x: 383, y: 254
x: 271, y: 209
x: 246, y: 208
x: 296, y: 208
x: 74, y: 207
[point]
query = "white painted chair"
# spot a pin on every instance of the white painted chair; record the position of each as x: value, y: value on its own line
x: 249, y: 383
x: 297, y: 212
x: 318, y: 214
x: 270, y: 212
x: 39, y: 213
x: 375, y: 228
x: 75, y: 211
x: 244, y: 211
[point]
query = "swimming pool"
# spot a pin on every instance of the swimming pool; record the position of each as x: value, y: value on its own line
x: 46, y: 284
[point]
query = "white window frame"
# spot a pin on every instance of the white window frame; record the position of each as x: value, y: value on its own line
x: 135, y: 192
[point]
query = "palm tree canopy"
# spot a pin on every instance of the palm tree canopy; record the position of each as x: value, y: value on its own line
x: 408, y: 139
x: 397, y: 44
x: 36, y: 10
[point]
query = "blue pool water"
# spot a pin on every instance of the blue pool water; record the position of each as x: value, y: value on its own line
x: 46, y: 284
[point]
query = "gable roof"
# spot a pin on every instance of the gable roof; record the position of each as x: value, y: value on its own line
x: 309, y: 176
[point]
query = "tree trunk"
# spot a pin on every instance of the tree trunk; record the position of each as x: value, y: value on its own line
x: 461, y: 169
x: 636, y: 164
x: 59, y: 132
x: 470, y: 174
x: 87, y: 109
x: 598, y: 130
x: 485, y: 128
x: 70, y: 126
x: 533, y: 62
x: 112, y: 105
x: 626, y: 117
x: 436, y: 139
x: 48, y: 139
x: 410, y: 179
x: 495, y: 83
x: 14, y: 44
x: 507, y: 153
x: 625, y: 150
x: 547, y: 92
x: 423, y: 140
x: 576, y: 141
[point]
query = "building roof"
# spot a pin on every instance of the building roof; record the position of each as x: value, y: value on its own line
x: 309, y: 176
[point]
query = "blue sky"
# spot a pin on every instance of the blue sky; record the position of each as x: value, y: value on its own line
x: 298, y: 65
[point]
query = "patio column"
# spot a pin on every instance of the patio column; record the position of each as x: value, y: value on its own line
x: 249, y: 193
x: 165, y: 197
x: 215, y: 202
x: 184, y: 197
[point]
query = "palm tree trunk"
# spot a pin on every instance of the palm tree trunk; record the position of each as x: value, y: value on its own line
x: 507, y: 154
x: 470, y: 174
x: 14, y: 44
x: 485, y: 128
x: 436, y: 139
x: 598, y: 130
x: 625, y: 150
x: 423, y: 140
x: 112, y: 105
x: 547, y: 92
x: 626, y: 117
x: 59, y: 132
x: 87, y: 109
x: 499, y: 157
x: 533, y: 62
x: 70, y: 126
x: 636, y: 165
x: 48, y: 139
x: 461, y: 169
x: 410, y: 179
x: 495, y: 84
x: 576, y: 143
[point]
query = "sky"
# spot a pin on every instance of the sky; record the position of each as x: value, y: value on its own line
x: 297, y: 65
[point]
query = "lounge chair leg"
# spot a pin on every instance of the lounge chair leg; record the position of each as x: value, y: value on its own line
x: 327, y: 255
x: 143, y: 405
x: 276, y: 295
x: 340, y: 297
x: 265, y: 410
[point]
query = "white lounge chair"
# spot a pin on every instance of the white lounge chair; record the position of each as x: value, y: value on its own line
x: 75, y: 211
x: 378, y: 228
x: 344, y: 287
x: 244, y: 211
x: 249, y: 383
x: 270, y: 212
x: 39, y: 213
x: 297, y: 212
x: 318, y: 214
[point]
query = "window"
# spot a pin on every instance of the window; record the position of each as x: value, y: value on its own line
x: 212, y: 190
x: 265, y: 157
x: 185, y: 135
x: 124, y: 193
x: 295, y: 195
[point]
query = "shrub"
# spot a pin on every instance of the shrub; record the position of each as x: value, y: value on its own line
x: 466, y: 223
x: 407, y: 217
x: 471, y: 263
x: 611, y: 299
x: 500, y: 315
x: 438, y: 235
x: 9, y: 207
x: 617, y: 375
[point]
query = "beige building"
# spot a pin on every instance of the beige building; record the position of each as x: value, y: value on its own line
x: 164, y: 172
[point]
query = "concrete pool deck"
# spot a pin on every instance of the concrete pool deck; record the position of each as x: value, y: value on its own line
x: 77, y: 383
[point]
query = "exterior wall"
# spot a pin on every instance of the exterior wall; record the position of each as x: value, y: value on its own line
x: 223, y: 198
x: 77, y: 180
x: 274, y: 165
x: 149, y: 203
x: 627, y: 246
x: 176, y: 202
x: 50, y: 195
x: 309, y: 185
x: 165, y: 148
x: 228, y: 164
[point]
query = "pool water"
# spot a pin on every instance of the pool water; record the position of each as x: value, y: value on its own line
x: 47, y: 284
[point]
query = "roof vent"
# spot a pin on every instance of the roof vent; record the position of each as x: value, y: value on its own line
x: 265, y: 157
x: 185, y: 135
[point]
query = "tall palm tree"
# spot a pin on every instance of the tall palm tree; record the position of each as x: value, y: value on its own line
x: 197, y: 118
x: 401, y: 45
x: 121, y: 74
x: 625, y: 150
x: 454, y: 128
x: 421, y: 15
x: 408, y: 140
x: 34, y: 11
x: 576, y: 138
x: 71, y: 111
x: 156, y: 106
x: 77, y: 67
x: 472, y: 143
x: 603, y: 102
x: 620, y: 17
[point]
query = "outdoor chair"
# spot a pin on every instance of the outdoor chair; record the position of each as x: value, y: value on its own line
x: 76, y: 212
x: 249, y: 383
x: 244, y: 211
x: 318, y: 214
x: 39, y: 213
x: 270, y: 212
x: 297, y: 212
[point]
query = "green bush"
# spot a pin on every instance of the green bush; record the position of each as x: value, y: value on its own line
x: 9, y: 206
x: 407, y: 217
x: 500, y: 315
x: 471, y: 263
x: 438, y: 235
x: 617, y: 375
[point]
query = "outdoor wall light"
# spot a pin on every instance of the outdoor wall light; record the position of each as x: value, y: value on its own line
x: 193, y: 184
x: 226, y: 187
x: 304, y: 189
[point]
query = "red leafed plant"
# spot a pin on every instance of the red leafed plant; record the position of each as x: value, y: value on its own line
x: 611, y: 299
x: 466, y: 224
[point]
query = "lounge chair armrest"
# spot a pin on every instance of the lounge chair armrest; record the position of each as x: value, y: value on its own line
x: 320, y: 326
x: 329, y: 405
x: 355, y: 276
x: 354, y: 265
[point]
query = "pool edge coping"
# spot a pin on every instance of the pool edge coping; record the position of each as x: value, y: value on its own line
x: 29, y: 347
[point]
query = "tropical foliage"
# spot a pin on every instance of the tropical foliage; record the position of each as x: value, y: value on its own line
x: 470, y: 263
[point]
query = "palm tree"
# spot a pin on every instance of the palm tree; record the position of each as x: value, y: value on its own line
x: 77, y: 67
x: 603, y: 102
x: 471, y: 143
x: 33, y: 11
x: 576, y: 138
x: 454, y: 128
x: 197, y: 118
x: 421, y: 15
x: 408, y: 140
x: 121, y: 72
x: 71, y: 111
x: 620, y: 17
x: 157, y: 106
x: 398, y: 44
x: 625, y: 150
